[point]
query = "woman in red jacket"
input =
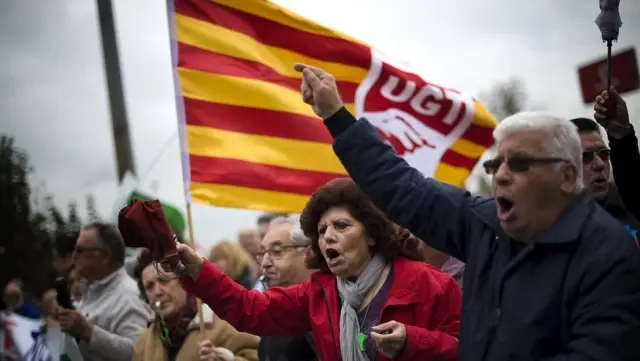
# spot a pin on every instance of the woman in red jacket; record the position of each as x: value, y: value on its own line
x: 372, y: 299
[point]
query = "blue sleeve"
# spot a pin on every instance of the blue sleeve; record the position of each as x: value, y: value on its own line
x: 435, y: 212
x: 29, y: 310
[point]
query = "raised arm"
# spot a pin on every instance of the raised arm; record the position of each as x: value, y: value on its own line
x: 625, y: 155
x: 277, y: 311
x: 437, y: 213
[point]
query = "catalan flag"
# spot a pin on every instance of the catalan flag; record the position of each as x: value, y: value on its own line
x: 251, y: 141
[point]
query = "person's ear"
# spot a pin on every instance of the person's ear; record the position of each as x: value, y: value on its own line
x: 570, y: 179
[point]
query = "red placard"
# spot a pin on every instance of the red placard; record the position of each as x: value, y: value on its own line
x: 625, y: 76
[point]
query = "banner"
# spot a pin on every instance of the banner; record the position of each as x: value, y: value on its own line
x: 30, y: 344
x: 253, y: 143
x: 22, y: 331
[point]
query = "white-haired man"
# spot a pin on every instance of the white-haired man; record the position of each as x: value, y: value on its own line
x: 549, y: 274
x: 282, y: 262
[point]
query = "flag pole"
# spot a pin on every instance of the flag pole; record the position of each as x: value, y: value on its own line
x: 182, y: 127
x: 192, y: 244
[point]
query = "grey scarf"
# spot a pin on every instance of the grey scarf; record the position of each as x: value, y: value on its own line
x: 352, y: 294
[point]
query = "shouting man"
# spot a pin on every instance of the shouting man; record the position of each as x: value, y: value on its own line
x: 549, y: 274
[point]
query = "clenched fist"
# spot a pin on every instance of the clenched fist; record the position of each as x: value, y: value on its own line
x: 610, y: 102
x: 319, y: 90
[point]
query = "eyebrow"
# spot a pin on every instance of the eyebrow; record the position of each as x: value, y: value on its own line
x: 274, y: 243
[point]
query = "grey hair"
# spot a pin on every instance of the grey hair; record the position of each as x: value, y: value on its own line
x: 297, y: 236
x: 109, y: 237
x: 563, y: 140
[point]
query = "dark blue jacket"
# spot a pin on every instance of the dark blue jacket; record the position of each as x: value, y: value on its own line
x: 573, y: 294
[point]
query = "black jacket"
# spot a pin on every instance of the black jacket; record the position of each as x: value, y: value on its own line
x: 625, y: 163
x: 573, y: 294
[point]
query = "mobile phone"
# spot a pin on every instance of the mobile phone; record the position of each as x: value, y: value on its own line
x: 63, y: 294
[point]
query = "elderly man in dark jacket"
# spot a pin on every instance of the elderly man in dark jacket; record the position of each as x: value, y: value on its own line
x: 597, y: 172
x: 549, y: 274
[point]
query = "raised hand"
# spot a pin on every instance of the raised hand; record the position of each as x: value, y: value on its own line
x: 319, y: 90
x: 618, y: 125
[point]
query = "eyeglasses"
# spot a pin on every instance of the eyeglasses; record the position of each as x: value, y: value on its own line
x: 517, y: 163
x: 274, y: 252
x: 588, y: 155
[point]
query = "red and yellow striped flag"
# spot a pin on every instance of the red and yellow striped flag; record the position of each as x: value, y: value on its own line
x: 254, y: 144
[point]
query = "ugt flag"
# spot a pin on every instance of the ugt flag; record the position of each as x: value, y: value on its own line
x: 252, y: 143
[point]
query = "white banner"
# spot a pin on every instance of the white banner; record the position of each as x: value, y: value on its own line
x: 32, y: 345
x: 62, y: 347
x: 22, y: 331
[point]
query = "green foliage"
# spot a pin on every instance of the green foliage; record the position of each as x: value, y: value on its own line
x: 30, y: 223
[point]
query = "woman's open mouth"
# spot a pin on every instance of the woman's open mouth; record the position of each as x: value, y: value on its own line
x: 332, y: 253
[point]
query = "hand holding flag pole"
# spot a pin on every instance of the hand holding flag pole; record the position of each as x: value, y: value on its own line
x: 609, y: 23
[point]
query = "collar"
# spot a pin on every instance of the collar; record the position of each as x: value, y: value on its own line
x: 119, y: 273
x: 207, y: 316
x: 404, y: 287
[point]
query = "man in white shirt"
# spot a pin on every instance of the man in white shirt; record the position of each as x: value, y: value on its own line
x: 112, y: 314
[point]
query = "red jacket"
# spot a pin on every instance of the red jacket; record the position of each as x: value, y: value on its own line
x: 424, y: 299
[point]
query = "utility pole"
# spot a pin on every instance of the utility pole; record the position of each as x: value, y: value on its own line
x: 117, y: 105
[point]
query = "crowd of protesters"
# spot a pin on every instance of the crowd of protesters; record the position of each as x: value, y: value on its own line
x: 373, y: 268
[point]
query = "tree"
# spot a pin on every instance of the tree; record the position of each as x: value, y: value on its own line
x: 73, y: 221
x: 30, y: 222
x: 504, y: 99
x: 23, y: 248
x: 92, y: 212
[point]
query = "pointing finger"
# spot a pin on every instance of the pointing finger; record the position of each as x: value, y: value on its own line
x: 317, y: 71
x: 311, y: 78
x: 300, y: 67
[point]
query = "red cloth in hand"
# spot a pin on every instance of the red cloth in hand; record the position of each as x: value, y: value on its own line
x: 142, y: 224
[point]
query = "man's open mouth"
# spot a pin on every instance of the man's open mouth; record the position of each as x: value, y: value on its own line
x: 505, y: 203
x: 600, y: 181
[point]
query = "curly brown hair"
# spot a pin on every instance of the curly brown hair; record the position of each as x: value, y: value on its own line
x: 390, y: 239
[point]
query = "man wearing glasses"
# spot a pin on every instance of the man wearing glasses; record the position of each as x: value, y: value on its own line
x: 111, y: 314
x: 281, y: 259
x: 596, y: 175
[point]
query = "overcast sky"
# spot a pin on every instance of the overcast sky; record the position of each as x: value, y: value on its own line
x: 54, y: 103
